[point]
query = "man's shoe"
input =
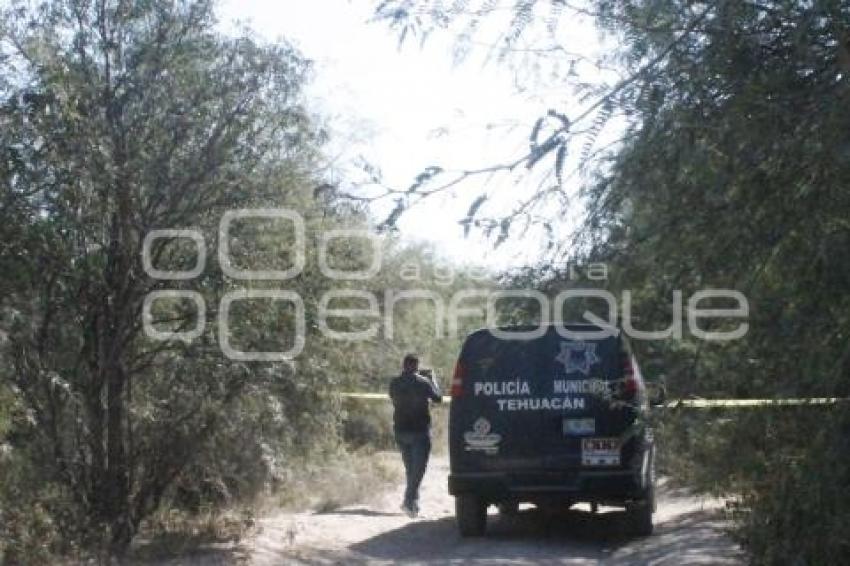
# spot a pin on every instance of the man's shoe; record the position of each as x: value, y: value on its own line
x: 410, y: 510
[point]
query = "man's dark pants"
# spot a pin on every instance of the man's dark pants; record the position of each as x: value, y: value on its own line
x: 415, y: 448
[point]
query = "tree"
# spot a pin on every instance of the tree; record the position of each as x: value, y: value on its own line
x: 119, y: 118
x: 730, y: 173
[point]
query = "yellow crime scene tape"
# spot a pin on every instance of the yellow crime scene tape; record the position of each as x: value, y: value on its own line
x: 710, y: 403
x: 689, y: 403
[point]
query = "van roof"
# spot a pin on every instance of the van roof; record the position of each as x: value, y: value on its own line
x: 526, y: 327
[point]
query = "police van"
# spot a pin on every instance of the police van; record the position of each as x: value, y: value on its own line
x: 551, y: 415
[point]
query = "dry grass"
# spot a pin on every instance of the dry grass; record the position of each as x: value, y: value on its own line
x: 341, y: 480
x: 348, y: 479
x: 172, y: 533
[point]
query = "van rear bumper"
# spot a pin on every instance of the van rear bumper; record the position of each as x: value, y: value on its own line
x: 583, y: 485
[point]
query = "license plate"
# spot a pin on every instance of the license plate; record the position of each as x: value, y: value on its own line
x: 579, y: 427
x: 600, y: 452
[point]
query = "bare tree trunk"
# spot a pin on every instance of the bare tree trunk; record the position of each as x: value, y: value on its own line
x: 117, y: 477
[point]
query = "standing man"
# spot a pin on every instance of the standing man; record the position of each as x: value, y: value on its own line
x: 410, y: 393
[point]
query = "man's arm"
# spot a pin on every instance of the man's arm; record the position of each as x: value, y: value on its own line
x: 434, y: 389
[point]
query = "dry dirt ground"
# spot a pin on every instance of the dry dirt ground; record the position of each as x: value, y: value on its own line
x: 689, y: 530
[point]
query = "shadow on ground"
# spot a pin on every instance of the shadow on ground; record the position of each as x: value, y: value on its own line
x: 533, y: 536
x: 508, y: 538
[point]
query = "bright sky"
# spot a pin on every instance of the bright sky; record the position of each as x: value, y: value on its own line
x: 405, y: 109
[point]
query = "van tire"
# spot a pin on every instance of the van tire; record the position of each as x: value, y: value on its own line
x: 640, y: 518
x: 471, y: 515
x: 639, y: 513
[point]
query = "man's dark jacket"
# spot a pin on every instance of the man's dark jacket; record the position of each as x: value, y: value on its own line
x: 410, y: 393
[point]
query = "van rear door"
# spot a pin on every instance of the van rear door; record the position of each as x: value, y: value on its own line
x: 547, y: 403
x: 486, y: 430
x: 590, y: 427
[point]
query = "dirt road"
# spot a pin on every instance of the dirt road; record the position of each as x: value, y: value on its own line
x: 688, y: 531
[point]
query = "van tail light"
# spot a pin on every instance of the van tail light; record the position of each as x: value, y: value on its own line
x: 457, y: 380
x: 630, y: 384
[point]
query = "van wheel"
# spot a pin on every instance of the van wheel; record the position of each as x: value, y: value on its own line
x: 640, y: 518
x: 471, y: 515
x: 640, y: 514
